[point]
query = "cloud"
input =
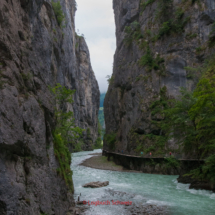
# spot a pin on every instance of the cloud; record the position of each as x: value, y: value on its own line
x: 95, y: 19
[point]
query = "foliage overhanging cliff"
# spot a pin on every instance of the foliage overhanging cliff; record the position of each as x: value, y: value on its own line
x: 39, y: 48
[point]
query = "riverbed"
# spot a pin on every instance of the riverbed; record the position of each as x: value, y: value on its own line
x: 139, y: 188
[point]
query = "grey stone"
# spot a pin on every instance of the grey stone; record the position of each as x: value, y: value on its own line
x: 36, y: 53
x: 133, y: 89
x: 96, y: 184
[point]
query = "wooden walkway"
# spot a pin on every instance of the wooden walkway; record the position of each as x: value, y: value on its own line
x: 148, y: 157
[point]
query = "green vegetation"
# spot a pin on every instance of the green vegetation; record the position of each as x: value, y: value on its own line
x: 145, y: 3
x: 78, y: 146
x: 192, y: 119
x: 211, y: 41
x: 65, y: 132
x: 156, y: 140
x: 58, y: 12
x: 191, y: 36
x: 88, y: 133
x: 1, y: 81
x: 164, y: 9
x: 111, y: 140
x: 171, y: 22
x: 132, y: 32
x: 199, y: 50
x: 26, y: 77
x: 42, y: 213
x: 98, y: 144
x: 151, y: 62
x: 172, y: 162
x: 110, y: 79
x: 193, y: 73
x: 174, y: 25
x: 142, y: 77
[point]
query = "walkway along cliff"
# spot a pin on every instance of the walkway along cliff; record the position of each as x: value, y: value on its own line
x: 39, y: 48
x: 159, y: 42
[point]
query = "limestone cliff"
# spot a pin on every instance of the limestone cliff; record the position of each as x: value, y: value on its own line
x: 158, y: 44
x: 36, y: 52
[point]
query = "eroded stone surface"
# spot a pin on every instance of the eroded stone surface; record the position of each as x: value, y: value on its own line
x: 133, y: 89
x: 36, y: 53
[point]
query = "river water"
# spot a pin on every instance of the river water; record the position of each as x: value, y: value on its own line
x: 140, y: 188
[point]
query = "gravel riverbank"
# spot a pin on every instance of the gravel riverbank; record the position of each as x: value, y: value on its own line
x: 100, y: 162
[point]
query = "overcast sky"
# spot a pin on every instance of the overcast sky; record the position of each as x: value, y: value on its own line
x: 95, y: 19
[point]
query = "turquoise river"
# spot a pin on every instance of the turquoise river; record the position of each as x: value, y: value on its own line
x: 140, y: 188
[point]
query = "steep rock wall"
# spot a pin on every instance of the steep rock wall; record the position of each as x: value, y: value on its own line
x: 153, y: 59
x: 35, y: 52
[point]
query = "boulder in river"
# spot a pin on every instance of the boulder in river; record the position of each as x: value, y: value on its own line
x: 96, y: 184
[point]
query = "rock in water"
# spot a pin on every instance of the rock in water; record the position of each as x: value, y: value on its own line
x: 96, y: 184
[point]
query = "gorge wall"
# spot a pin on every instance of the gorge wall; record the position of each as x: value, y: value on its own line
x: 158, y: 44
x: 35, y: 52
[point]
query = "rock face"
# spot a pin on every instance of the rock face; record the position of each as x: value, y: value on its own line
x: 86, y: 101
x: 35, y: 52
x: 97, y: 184
x: 157, y: 43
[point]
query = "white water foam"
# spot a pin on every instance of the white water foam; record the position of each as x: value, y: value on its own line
x: 160, y: 203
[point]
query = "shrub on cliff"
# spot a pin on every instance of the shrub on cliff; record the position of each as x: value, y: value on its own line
x: 132, y: 32
x: 65, y: 131
x: 211, y: 41
x: 98, y: 144
x: 192, y: 122
x: 111, y: 140
x: 78, y: 146
x: 151, y: 62
x: 58, y: 12
x: 144, y: 4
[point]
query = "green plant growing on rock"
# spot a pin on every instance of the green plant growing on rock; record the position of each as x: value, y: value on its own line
x: 132, y: 33
x: 151, y: 62
x: 148, y: 60
x: 42, y: 213
x: 1, y: 81
x: 110, y: 79
x: 191, y: 36
x: 65, y: 132
x: 171, y: 162
x: 26, y: 77
x: 142, y: 77
x: 98, y: 144
x: 88, y: 133
x: 191, y: 73
x: 205, y: 171
x: 58, y: 12
x: 211, y: 41
x: 192, y: 122
x: 173, y: 24
x: 199, y: 50
x: 78, y: 146
x: 145, y: 3
x: 164, y: 10
x: 111, y: 140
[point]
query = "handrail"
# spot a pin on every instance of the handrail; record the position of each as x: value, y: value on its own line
x: 126, y: 155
